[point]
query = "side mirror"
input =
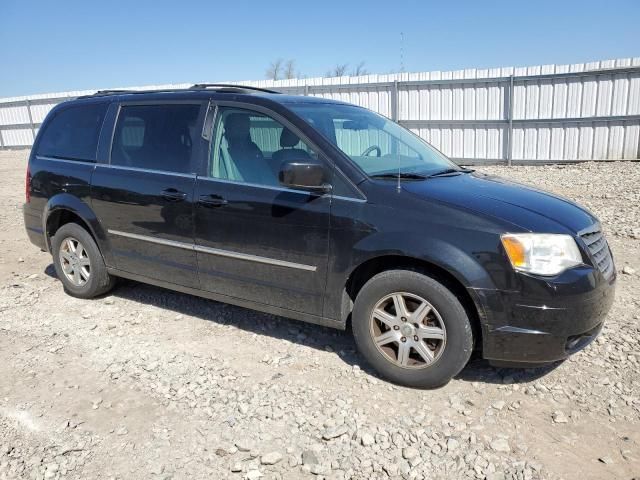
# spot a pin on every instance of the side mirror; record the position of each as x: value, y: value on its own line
x: 304, y: 175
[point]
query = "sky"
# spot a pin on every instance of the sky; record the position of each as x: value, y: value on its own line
x: 54, y: 46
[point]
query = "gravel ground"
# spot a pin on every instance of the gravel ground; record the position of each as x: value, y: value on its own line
x: 147, y: 383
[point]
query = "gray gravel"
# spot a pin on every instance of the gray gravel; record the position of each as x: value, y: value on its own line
x: 148, y: 383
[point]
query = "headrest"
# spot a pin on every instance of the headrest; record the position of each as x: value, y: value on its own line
x: 288, y: 138
x: 236, y: 126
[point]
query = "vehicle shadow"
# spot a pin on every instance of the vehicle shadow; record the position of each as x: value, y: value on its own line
x: 305, y: 334
x: 339, y: 342
x: 479, y: 370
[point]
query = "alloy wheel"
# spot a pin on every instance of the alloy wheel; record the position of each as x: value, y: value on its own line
x: 408, y: 330
x: 74, y: 261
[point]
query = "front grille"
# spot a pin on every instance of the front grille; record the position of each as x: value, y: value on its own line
x: 598, y: 249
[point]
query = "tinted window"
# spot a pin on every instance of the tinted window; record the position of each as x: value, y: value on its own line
x: 251, y: 147
x: 156, y: 137
x: 73, y: 132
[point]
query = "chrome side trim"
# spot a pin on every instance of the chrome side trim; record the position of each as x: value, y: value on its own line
x: 159, y: 241
x: 211, y: 179
x: 254, y: 258
x: 146, y: 170
x: 214, y: 251
x: 53, y: 159
x: 254, y: 185
x: 278, y: 189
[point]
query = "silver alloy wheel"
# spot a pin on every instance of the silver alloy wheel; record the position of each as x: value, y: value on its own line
x: 408, y: 330
x: 74, y: 261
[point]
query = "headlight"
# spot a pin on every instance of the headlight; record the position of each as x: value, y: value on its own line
x: 541, y: 253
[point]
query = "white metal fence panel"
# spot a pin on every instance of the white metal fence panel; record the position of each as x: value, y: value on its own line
x: 540, y: 113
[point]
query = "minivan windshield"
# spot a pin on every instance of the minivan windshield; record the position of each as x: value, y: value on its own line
x: 379, y: 146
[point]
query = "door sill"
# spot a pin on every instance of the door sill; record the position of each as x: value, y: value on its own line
x: 260, y: 307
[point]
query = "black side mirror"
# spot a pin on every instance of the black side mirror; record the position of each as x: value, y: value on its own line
x: 304, y: 175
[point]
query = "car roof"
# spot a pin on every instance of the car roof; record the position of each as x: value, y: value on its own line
x: 231, y: 93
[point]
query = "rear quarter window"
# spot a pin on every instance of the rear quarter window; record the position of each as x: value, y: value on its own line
x: 73, y: 133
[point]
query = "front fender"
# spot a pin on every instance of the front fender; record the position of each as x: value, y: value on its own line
x: 469, y: 267
x: 71, y: 203
x: 472, y: 258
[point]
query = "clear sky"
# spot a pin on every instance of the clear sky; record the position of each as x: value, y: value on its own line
x: 49, y: 46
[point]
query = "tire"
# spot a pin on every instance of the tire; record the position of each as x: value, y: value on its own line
x: 445, y: 329
x: 93, y: 275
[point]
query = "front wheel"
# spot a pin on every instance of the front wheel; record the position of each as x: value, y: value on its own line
x: 412, y: 329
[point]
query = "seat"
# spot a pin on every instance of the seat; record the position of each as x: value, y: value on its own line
x: 176, y: 151
x: 287, y: 152
x: 245, y: 154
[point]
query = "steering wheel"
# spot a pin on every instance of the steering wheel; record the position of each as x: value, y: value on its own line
x: 371, y: 149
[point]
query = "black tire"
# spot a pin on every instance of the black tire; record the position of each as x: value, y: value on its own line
x: 459, y: 336
x: 99, y: 281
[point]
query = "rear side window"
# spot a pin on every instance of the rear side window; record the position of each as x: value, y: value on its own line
x: 73, y: 133
x: 156, y: 137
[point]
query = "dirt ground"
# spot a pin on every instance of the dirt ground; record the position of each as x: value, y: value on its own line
x: 148, y: 383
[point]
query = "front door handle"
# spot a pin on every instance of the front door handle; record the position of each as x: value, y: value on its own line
x: 173, y: 195
x: 212, y: 201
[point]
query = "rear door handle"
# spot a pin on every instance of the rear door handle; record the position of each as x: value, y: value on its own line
x: 212, y: 201
x: 173, y: 195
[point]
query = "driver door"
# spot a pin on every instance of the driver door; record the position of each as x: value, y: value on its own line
x: 255, y: 239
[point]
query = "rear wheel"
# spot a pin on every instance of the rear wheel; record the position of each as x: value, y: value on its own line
x: 79, y: 263
x: 412, y: 329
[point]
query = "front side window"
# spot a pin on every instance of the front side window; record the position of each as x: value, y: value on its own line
x: 73, y: 132
x: 251, y: 147
x: 376, y: 144
x: 156, y: 137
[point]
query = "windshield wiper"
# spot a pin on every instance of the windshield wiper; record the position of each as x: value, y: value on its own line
x: 403, y: 175
x: 420, y: 176
x: 449, y: 171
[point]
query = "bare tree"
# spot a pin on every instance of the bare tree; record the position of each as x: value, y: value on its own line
x: 359, y: 70
x: 274, y: 72
x: 280, y: 69
x: 338, y: 71
x: 290, y: 69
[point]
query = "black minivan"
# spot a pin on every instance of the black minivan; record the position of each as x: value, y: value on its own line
x: 321, y: 211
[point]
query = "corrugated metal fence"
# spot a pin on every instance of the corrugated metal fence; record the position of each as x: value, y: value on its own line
x: 547, y: 113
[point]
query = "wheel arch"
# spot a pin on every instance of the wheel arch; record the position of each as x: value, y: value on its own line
x: 373, y: 266
x: 65, y: 208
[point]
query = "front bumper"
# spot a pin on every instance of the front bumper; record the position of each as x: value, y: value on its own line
x: 545, y: 320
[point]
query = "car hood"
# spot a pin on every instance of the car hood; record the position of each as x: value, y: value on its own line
x: 526, y: 207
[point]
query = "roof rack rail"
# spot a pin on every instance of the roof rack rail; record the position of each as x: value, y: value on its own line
x: 111, y: 92
x: 104, y: 93
x: 222, y: 87
x: 229, y: 87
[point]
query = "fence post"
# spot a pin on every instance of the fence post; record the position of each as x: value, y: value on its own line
x: 395, y: 111
x: 1, y: 140
x: 31, y: 124
x: 509, y: 152
x: 306, y: 90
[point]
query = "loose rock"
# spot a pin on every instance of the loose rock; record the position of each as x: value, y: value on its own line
x: 271, y: 458
x: 500, y: 445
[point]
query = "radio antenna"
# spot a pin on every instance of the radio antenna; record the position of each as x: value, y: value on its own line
x: 395, y: 142
x: 402, y: 52
x: 398, y: 187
